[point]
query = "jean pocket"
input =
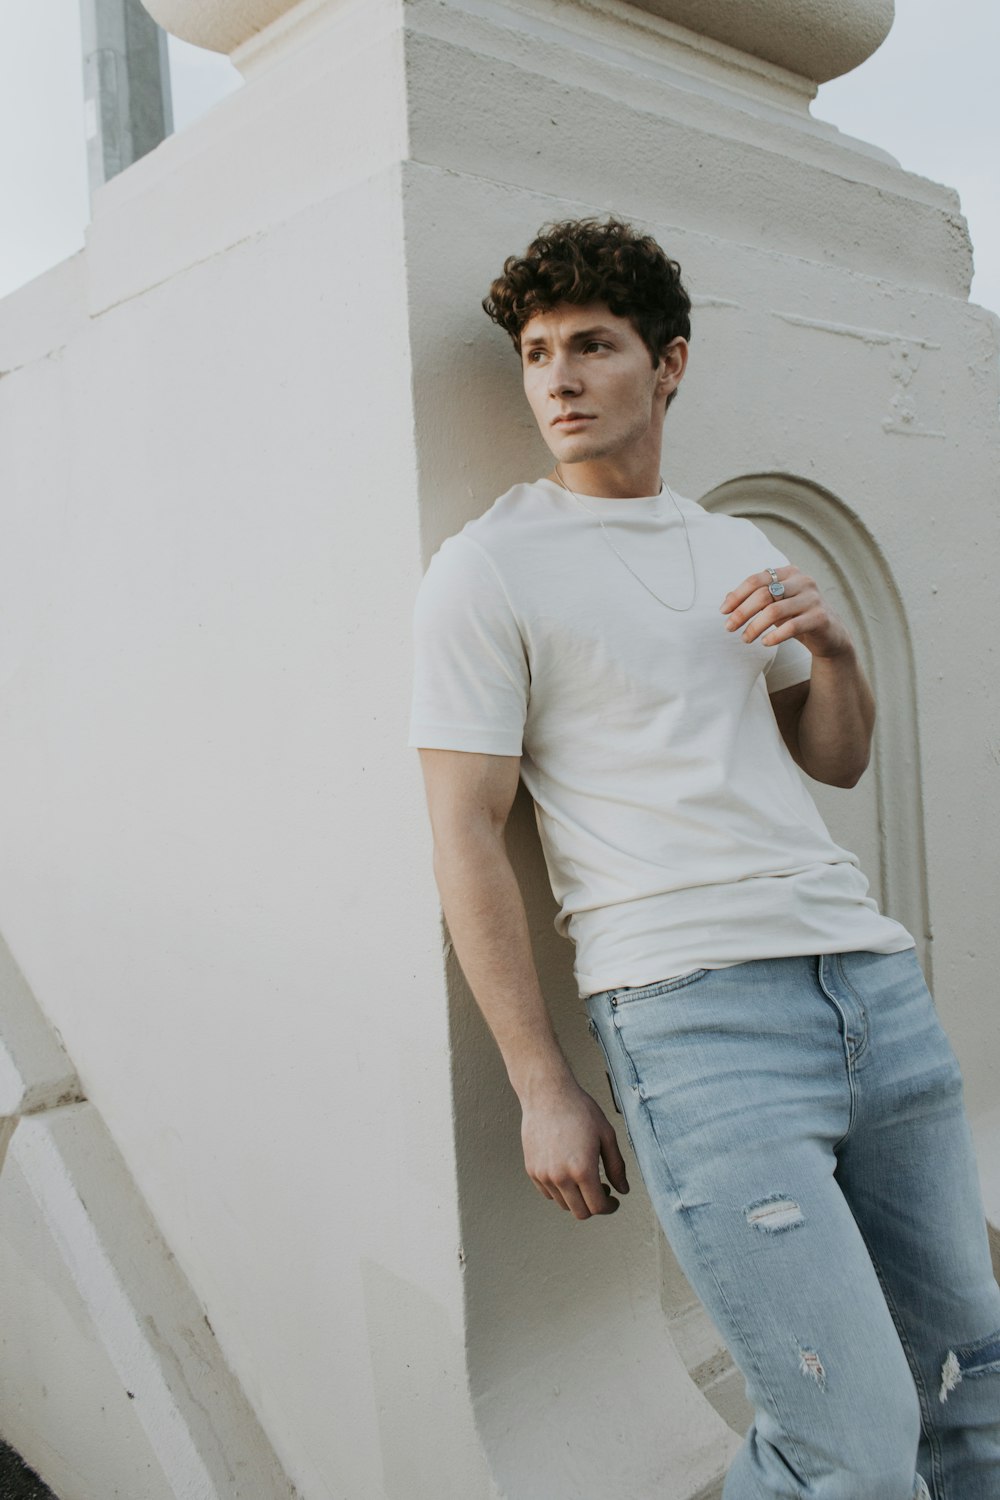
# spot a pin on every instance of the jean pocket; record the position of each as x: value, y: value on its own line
x: 615, y: 1097
x: 632, y: 993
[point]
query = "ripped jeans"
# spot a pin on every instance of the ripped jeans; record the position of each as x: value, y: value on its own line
x: 799, y: 1126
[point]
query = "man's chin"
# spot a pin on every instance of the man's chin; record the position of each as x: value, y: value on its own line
x: 577, y: 450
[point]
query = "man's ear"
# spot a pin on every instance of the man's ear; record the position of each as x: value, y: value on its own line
x: 673, y: 363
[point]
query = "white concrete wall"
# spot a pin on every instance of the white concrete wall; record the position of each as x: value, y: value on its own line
x: 214, y: 873
x: 235, y: 427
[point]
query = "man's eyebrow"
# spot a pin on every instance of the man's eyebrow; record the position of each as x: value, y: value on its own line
x: 580, y: 337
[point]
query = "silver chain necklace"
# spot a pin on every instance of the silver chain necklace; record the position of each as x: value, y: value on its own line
x: 678, y: 608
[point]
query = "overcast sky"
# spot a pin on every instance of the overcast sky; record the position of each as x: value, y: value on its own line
x: 928, y: 96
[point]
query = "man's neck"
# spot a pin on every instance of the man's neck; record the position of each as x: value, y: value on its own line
x: 613, y: 479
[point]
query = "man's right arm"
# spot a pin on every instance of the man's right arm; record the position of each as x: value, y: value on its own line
x: 564, y: 1132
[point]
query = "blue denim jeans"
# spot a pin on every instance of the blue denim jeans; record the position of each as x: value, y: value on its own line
x: 799, y: 1126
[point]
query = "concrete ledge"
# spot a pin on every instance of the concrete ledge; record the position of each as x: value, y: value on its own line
x: 35, y: 1072
x: 135, y: 1364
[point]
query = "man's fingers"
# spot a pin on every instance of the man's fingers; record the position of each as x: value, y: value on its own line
x: 751, y: 583
x: 614, y: 1162
x: 564, y: 1143
x: 583, y: 1198
x: 760, y: 599
x: 575, y: 1201
x: 568, y: 1197
x: 747, y: 607
x: 550, y: 1190
x: 776, y: 612
x: 775, y: 634
x: 589, y: 1197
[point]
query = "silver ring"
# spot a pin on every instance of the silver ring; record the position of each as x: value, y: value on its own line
x: 775, y: 588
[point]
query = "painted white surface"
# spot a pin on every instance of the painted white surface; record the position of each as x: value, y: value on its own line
x: 111, y: 1380
x: 205, y: 793
x: 200, y: 1441
x: 264, y: 393
x: 65, y: 1407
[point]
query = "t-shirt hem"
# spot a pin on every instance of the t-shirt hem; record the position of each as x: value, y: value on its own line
x: 591, y: 984
x: 478, y: 741
x: 786, y: 677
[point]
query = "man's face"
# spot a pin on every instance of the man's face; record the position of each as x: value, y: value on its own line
x: 591, y: 383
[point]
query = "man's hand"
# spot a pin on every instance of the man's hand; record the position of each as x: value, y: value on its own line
x: 828, y: 731
x: 565, y: 1134
x: 801, y: 612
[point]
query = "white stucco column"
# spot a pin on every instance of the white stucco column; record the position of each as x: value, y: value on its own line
x: 217, y: 871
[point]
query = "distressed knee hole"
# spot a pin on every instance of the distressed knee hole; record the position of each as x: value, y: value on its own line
x: 811, y: 1366
x: 970, y: 1362
x: 774, y: 1214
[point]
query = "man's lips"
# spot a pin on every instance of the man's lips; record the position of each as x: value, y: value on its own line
x: 570, y: 418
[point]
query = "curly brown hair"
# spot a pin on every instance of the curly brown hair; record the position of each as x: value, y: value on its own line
x: 594, y: 260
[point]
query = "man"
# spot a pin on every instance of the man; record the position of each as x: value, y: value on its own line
x: 654, y: 673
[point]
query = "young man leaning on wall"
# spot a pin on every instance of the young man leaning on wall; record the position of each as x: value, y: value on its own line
x: 654, y: 673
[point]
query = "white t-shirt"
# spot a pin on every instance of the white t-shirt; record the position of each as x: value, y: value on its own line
x: 677, y: 831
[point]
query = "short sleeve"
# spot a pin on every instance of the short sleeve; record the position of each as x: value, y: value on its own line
x: 788, y: 663
x: 470, y: 678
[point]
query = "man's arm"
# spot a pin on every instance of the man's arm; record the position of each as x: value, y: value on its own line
x: 827, y: 722
x: 563, y: 1131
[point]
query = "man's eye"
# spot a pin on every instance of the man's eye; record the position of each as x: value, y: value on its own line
x: 595, y: 344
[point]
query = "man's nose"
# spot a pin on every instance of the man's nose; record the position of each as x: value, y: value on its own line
x: 563, y: 378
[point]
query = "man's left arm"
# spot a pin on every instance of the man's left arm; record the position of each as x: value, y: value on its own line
x: 826, y: 722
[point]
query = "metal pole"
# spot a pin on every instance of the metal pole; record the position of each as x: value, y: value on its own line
x: 126, y: 81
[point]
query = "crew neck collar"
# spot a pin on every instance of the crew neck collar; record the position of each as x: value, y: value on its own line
x: 607, y: 506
